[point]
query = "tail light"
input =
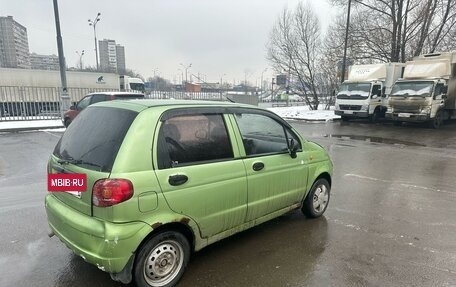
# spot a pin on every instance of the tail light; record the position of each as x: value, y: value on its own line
x: 109, y: 192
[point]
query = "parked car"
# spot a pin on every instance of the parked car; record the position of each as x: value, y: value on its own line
x: 93, y: 98
x: 167, y: 177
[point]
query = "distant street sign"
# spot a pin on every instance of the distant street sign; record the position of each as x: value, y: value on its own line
x: 281, y: 79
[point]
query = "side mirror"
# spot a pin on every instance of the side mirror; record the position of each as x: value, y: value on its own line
x: 444, y: 97
x: 73, y: 108
x: 293, y: 148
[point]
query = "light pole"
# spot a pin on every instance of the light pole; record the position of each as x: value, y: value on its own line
x: 80, y: 58
x: 262, y: 84
x: 93, y: 23
x: 186, y: 69
x: 182, y: 75
x: 221, y: 81
x: 346, y: 40
x: 64, y: 96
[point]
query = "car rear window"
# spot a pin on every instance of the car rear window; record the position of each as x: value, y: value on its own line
x: 94, y: 137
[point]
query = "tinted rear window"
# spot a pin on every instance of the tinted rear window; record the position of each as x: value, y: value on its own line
x: 95, y: 136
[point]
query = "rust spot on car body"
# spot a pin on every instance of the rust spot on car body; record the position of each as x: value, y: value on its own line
x: 156, y: 225
x: 185, y: 220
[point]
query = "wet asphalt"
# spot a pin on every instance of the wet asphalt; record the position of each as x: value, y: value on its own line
x: 391, y: 220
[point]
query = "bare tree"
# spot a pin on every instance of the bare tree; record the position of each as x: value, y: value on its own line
x: 294, y: 47
x: 397, y: 30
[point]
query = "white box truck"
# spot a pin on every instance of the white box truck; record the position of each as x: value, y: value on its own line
x: 427, y: 91
x: 364, y: 93
x: 31, y: 92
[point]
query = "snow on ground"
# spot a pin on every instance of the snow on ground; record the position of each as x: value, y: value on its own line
x: 303, y: 113
x: 6, y: 125
x: 294, y: 112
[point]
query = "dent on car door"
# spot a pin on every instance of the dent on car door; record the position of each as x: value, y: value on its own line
x: 275, y: 179
x: 198, y: 174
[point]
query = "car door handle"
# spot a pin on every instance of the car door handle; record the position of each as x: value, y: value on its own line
x: 258, y: 166
x: 177, y: 179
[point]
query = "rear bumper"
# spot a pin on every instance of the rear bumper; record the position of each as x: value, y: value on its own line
x: 352, y: 114
x: 415, y: 118
x: 107, y: 245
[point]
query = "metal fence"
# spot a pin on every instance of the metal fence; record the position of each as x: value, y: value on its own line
x: 205, y: 96
x: 36, y: 103
x: 43, y: 103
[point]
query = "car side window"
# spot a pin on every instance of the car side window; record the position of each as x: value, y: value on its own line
x: 192, y: 139
x: 97, y: 98
x: 84, y: 103
x: 262, y: 134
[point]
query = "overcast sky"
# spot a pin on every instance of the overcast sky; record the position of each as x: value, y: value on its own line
x: 216, y: 36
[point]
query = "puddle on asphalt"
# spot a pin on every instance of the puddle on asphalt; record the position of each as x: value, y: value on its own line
x: 374, y: 140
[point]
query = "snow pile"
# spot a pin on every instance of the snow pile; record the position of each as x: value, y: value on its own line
x: 304, y: 113
x: 6, y: 125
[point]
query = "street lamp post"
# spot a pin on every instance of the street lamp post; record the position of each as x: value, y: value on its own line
x: 346, y: 41
x: 93, y: 23
x: 186, y: 70
x: 221, y: 81
x: 80, y: 58
x: 262, y: 83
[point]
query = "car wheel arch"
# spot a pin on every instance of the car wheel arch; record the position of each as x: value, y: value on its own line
x: 180, y: 227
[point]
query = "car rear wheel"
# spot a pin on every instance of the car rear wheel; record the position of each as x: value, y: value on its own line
x: 317, y: 200
x: 162, y: 260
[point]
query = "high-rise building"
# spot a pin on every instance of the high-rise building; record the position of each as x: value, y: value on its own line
x: 120, y: 55
x: 112, y: 56
x: 44, y: 62
x: 14, y: 49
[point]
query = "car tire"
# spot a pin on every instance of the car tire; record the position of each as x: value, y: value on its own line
x: 161, y: 261
x: 66, y: 122
x: 397, y: 123
x: 317, y: 199
x: 344, y: 119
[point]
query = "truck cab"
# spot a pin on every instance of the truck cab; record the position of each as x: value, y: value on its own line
x: 131, y: 84
x: 423, y: 94
x: 360, y: 100
x: 364, y: 93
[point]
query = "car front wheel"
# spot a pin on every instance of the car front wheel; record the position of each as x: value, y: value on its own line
x: 317, y: 199
x: 162, y: 260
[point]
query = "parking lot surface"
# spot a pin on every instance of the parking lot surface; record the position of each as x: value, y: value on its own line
x: 391, y: 219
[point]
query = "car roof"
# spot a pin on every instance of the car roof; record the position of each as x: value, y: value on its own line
x: 113, y: 93
x: 180, y: 106
x: 142, y: 104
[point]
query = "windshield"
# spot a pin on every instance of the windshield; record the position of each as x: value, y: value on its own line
x: 94, y: 137
x: 137, y: 87
x: 415, y: 88
x: 354, y: 91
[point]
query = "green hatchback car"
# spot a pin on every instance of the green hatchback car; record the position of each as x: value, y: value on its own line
x: 167, y: 178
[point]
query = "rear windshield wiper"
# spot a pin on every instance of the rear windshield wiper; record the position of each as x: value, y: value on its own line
x: 77, y: 162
